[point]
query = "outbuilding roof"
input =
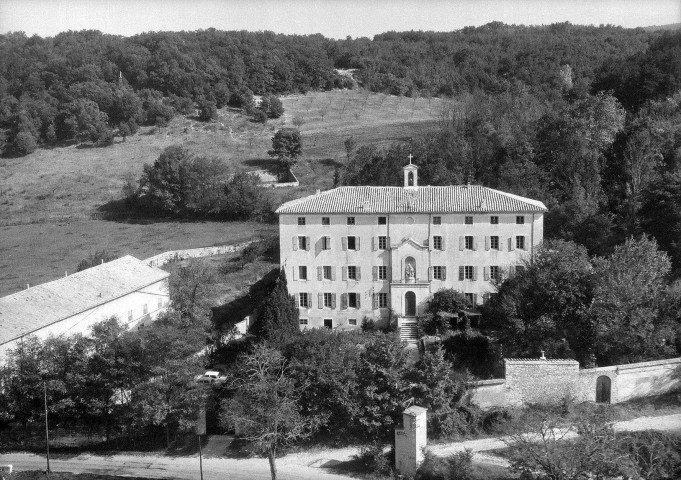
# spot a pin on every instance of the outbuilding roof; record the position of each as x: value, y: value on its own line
x: 34, y: 308
x: 450, y: 199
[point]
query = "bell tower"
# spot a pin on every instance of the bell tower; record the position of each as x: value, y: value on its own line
x: 411, y: 175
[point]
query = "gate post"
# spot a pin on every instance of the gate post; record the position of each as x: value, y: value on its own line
x: 410, y: 440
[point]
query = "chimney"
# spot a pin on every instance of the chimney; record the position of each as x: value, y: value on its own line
x: 543, y: 357
x: 318, y: 191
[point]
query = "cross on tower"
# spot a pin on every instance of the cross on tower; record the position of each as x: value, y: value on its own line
x: 410, y: 157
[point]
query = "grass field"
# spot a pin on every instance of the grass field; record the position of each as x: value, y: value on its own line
x: 47, y: 199
x: 38, y: 253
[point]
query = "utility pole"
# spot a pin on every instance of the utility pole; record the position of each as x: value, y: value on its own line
x: 200, y: 458
x: 47, y: 430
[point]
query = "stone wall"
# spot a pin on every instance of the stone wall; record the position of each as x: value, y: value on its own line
x: 165, y: 257
x: 551, y: 381
x: 539, y: 380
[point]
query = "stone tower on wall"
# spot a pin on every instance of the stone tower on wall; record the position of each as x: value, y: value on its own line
x: 410, y: 440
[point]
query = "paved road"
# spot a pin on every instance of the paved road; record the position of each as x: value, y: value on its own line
x: 304, y: 465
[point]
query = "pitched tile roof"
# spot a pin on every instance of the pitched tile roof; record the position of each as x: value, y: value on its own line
x: 451, y: 199
x: 37, y: 307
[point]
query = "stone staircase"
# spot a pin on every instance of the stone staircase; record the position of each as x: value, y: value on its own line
x: 408, y: 332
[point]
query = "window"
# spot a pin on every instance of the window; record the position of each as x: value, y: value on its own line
x: 352, y: 272
x: 382, y: 273
x: 468, y: 242
x: 302, y: 272
x: 471, y: 299
x: 303, y: 321
x: 437, y: 220
x: 438, y: 272
x: 494, y: 242
x: 352, y: 321
x: 468, y: 220
x: 145, y: 309
x: 328, y: 323
x: 382, y: 220
x: 468, y: 272
x: 304, y: 300
x: 494, y: 272
x: 302, y: 243
x: 520, y: 242
x: 327, y: 272
x: 437, y: 243
x: 301, y: 220
x: 382, y: 300
x: 352, y: 243
x: 326, y: 243
x: 352, y: 300
x: 326, y: 221
x: 351, y: 220
x: 328, y: 300
x: 382, y: 243
x: 520, y: 219
x: 129, y: 315
x: 494, y: 220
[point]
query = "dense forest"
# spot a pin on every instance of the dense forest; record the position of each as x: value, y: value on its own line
x: 86, y: 86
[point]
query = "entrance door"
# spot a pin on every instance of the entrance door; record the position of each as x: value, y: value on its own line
x: 410, y: 304
x: 603, y: 389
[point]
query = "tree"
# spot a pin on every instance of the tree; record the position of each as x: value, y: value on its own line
x: 165, y: 184
x: 208, y: 111
x: 189, y: 294
x: 264, y: 408
x: 545, y: 307
x: 272, y: 106
x: 627, y: 293
x: 287, y: 146
x: 25, y: 143
x: 276, y: 318
x: 350, y: 145
x: 245, y: 197
x: 439, y: 389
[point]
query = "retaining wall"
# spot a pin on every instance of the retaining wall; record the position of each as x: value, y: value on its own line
x: 165, y: 257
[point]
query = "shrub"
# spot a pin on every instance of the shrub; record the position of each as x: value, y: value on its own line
x: 374, y: 459
x: 458, y: 466
x: 25, y: 143
x: 472, y: 350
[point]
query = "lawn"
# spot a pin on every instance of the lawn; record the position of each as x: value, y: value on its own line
x: 48, y: 198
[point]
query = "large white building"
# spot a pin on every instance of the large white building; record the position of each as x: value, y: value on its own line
x: 127, y: 288
x: 352, y: 252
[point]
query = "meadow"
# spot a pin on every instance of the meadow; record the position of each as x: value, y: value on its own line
x: 49, y: 199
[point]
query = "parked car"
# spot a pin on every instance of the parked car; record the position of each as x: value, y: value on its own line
x: 211, y: 376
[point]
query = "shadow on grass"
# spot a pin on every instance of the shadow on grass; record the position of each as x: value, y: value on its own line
x: 330, y: 162
x: 263, y: 163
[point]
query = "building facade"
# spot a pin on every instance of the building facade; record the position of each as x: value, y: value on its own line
x: 355, y: 252
x: 126, y: 288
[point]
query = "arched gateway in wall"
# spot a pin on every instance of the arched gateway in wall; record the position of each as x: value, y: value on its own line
x: 603, y: 389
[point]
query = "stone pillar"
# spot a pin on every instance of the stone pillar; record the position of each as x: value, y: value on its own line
x: 410, y: 440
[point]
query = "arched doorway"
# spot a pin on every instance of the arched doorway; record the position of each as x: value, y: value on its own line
x: 410, y: 304
x: 603, y: 389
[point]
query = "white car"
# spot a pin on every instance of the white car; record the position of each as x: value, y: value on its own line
x: 210, y: 376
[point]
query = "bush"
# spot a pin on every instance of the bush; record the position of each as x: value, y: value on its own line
x: 95, y: 259
x: 455, y: 467
x: 470, y: 349
x: 374, y: 459
x: 25, y: 143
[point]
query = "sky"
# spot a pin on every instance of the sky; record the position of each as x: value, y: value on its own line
x: 332, y: 18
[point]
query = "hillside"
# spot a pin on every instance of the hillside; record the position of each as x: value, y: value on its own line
x: 49, y: 197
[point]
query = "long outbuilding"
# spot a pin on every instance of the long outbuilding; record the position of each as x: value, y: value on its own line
x: 127, y: 288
